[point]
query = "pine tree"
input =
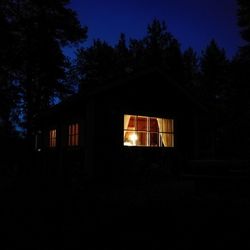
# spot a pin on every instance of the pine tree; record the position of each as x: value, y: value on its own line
x: 162, y: 49
x: 101, y: 62
x: 191, y: 66
x: 244, y: 19
x: 214, y: 74
x: 95, y: 65
x: 122, y: 57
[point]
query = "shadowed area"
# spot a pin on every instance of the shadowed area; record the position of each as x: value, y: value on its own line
x: 189, y: 211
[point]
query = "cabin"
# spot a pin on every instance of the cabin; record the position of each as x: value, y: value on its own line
x: 125, y: 126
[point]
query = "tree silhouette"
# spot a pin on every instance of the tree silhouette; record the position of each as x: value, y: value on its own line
x: 95, y: 64
x: 122, y: 57
x: 8, y: 71
x: 239, y: 105
x: 214, y: 74
x: 158, y: 49
x: 41, y: 29
x: 244, y: 19
x: 137, y: 50
x: 162, y: 50
x: 215, y: 89
x: 191, y: 68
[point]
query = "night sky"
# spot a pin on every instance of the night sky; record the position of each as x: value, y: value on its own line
x: 193, y: 22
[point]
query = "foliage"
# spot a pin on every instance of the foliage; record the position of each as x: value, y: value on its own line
x: 191, y: 69
x: 95, y: 64
x: 35, y: 64
x: 101, y: 62
x: 214, y: 74
x: 237, y: 132
x: 244, y: 18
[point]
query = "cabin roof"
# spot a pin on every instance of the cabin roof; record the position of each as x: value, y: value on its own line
x: 89, y: 94
x: 130, y: 79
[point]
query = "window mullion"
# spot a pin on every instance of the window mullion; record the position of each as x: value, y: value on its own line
x: 148, y: 131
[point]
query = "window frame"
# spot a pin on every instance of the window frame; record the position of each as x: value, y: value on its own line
x: 149, y: 132
x: 73, y: 138
x: 53, y: 138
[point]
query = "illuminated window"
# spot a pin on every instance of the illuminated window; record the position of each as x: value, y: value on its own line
x: 73, y: 139
x: 52, y: 138
x: 148, y: 131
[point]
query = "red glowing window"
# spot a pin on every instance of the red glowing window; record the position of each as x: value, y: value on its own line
x: 73, y: 138
x: 52, y: 138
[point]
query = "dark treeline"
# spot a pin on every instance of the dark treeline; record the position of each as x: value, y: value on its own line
x: 218, y: 82
x: 34, y: 70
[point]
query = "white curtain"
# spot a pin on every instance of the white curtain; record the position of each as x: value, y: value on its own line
x: 166, y: 125
x: 125, y: 124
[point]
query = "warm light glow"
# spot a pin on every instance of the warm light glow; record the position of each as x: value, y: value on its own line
x: 73, y: 136
x: 133, y: 138
x: 52, y: 138
x: 146, y: 131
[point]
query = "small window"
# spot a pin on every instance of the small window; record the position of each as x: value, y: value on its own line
x: 148, y: 131
x: 52, y: 138
x: 73, y: 139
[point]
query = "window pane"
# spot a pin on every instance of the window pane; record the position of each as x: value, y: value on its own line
x: 126, y: 120
x: 142, y: 139
x: 52, y: 138
x: 167, y: 125
x: 159, y: 121
x: 130, y: 138
x: 154, y: 125
x: 142, y: 123
x: 132, y: 123
x: 76, y: 140
x: 77, y: 129
x: 73, y: 129
x: 167, y: 140
x: 73, y: 136
x: 154, y: 139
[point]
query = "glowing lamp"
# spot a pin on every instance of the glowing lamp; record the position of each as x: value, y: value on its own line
x: 133, y: 137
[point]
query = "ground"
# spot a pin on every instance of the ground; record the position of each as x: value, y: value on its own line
x: 184, y: 212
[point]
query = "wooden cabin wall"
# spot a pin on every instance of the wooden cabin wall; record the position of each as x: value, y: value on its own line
x: 111, y: 156
x: 101, y: 151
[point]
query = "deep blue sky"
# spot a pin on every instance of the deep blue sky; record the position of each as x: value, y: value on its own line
x: 193, y: 22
